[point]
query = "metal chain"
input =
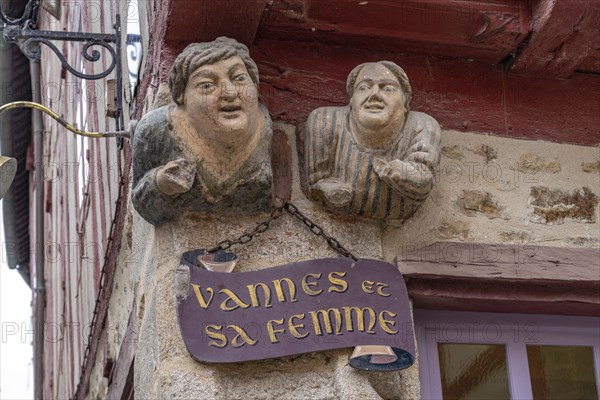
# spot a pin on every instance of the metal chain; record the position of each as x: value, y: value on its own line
x: 318, y: 231
x: 247, y: 237
x: 295, y: 212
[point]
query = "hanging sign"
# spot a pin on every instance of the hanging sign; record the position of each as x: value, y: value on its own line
x: 292, y: 309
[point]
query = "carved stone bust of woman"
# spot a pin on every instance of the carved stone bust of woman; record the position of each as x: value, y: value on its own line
x: 207, y: 152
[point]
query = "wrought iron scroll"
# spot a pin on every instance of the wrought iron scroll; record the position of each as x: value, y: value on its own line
x: 134, y: 58
x: 29, y: 38
x: 21, y: 32
x: 29, y: 14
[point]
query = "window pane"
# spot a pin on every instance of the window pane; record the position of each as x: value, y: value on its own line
x: 473, y: 371
x: 562, y: 372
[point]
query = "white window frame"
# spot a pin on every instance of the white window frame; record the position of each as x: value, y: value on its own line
x: 515, y: 331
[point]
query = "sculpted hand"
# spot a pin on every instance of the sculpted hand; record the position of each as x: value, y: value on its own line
x: 333, y: 192
x: 397, y: 173
x: 176, y: 177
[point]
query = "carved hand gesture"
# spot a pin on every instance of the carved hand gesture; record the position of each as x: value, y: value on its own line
x: 176, y: 177
x: 397, y: 173
x: 333, y: 192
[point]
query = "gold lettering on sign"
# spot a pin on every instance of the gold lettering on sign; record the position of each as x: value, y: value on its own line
x: 327, y: 321
x: 273, y: 331
x: 210, y: 332
x: 291, y: 289
x: 254, y: 296
x: 333, y: 321
x: 306, y: 285
x: 241, y: 334
x: 367, y: 286
x: 200, y: 297
x: 360, y: 318
x: 380, y: 287
x: 294, y: 327
x: 231, y: 297
x: 334, y: 280
x: 385, y: 322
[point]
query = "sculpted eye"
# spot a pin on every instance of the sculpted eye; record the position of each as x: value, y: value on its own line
x: 389, y: 88
x: 241, y: 78
x: 363, y: 87
x: 205, y: 86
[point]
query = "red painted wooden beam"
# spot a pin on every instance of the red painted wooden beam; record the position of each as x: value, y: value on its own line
x: 592, y: 62
x: 200, y: 21
x: 176, y: 23
x: 565, y: 33
x: 493, y: 295
x: 487, y: 30
x: 464, y: 94
x: 461, y: 94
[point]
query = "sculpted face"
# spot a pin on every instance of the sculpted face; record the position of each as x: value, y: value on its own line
x: 221, y: 100
x: 378, y: 99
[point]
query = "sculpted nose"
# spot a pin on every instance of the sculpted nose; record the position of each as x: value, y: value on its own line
x: 375, y: 94
x: 229, y: 91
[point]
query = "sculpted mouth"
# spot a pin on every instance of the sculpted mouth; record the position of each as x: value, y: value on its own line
x: 230, y: 107
x: 374, y: 106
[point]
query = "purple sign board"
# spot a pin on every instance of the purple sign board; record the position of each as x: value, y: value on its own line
x: 292, y: 309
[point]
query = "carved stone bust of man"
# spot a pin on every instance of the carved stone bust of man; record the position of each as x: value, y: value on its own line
x: 374, y: 158
x: 207, y: 152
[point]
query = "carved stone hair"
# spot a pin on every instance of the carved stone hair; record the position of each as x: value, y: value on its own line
x: 394, y: 69
x: 198, y: 54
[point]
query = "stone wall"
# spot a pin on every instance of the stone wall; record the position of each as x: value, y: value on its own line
x: 489, y: 189
x: 497, y: 190
x: 163, y: 367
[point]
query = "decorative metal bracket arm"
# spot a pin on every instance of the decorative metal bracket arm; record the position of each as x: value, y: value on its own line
x: 29, y: 14
x: 29, y: 39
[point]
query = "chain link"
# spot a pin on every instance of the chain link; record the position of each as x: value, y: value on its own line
x: 318, y: 231
x: 247, y: 237
x: 295, y: 212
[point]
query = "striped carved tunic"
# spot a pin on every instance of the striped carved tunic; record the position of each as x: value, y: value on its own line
x: 331, y: 153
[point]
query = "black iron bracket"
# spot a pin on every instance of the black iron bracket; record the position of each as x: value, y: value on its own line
x: 29, y: 14
x: 22, y: 31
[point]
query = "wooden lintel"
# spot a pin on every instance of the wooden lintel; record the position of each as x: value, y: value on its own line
x: 503, y: 278
x: 301, y: 69
x: 486, y: 295
x: 202, y: 21
x: 499, y: 261
x: 483, y: 30
x: 465, y: 95
x: 564, y: 33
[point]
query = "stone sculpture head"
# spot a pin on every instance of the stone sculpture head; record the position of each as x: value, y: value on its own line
x: 379, y: 95
x: 216, y: 85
